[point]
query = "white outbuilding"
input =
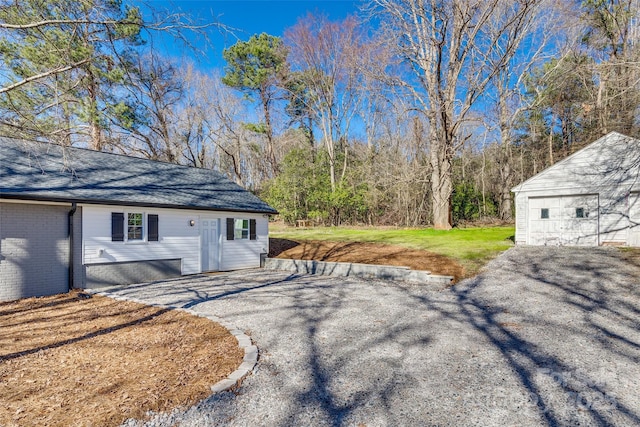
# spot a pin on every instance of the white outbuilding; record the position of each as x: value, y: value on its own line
x: 590, y: 198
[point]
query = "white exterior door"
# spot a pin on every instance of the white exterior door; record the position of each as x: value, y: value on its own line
x: 209, y: 247
x: 633, y: 238
x: 564, y: 220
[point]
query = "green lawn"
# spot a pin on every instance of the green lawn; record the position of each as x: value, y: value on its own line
x: 471, y: 247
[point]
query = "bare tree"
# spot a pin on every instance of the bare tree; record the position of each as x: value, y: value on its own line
x: 155, y: 95
x: 212, y: 131
x: 454, y: 59
x: 509, y: 81
x: 326, y: 54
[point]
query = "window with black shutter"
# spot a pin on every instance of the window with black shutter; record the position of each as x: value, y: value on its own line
x: 152, y: 224
x: 117, y: 227
x: 230, y: 228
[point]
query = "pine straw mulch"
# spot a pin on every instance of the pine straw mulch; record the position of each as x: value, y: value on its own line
x: 75, y: 360
x: 366, y: 253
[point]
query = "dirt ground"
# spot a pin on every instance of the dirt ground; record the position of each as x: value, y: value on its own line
x: 366, y: 253
x: 77, y: 360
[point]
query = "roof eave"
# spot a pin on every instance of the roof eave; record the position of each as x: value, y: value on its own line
x: 28, y: 197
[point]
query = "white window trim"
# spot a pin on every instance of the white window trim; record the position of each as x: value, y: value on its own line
x: 235, y: 229
x: 144, y: 228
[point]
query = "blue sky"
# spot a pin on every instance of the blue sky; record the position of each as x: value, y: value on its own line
x: 246, y: 18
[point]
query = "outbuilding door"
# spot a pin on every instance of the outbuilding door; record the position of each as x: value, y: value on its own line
x: 564, y: 220
x: 209, y: 245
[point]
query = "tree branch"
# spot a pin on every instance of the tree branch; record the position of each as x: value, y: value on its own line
x: 43, y: 75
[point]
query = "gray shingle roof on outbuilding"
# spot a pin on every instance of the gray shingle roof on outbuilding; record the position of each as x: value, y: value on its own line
x: 39, y: 171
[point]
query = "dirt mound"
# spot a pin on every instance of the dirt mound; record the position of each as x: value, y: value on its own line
x: 366, y: 253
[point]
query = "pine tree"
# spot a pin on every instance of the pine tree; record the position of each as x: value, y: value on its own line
x: 66, y: 63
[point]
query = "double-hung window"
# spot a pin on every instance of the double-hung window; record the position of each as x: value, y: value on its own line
x: 135, y: 227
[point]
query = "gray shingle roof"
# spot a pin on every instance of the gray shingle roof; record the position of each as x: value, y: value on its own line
x: 40, y: 171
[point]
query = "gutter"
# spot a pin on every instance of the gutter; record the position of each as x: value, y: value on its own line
x: 71, y: 213
x: 65, y: 200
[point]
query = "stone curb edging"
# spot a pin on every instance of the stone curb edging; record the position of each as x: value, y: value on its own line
x: 365, y: 271
x: 249, y: 360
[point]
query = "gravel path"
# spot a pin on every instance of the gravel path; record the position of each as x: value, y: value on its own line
x: 546, y: 336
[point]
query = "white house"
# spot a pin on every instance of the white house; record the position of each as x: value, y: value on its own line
x: 590, y: 198
x: 72, y: 217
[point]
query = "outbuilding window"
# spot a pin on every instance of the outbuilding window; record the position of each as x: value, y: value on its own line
x: 581, y: 213
x: 544, y: 213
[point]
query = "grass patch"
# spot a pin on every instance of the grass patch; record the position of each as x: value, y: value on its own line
x: 471, y: 247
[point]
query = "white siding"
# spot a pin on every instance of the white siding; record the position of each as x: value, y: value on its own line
x: 614, y: 219
x: 633, y: 238
x: 609, y: 168
x: 612, y: 162
x: 177, y: 239
x: 562, y: 226
x: 238, y: 254
x: 521, y: 218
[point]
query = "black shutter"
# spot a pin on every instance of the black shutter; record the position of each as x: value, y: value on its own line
x: 152, y: 233
x: 252, y: 229
x: 117, y: 227
x: 230, y: 229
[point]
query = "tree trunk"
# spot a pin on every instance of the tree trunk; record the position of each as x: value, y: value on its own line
x: 551, y: 142
x: 505, y: 181
x: 271, y: 156
x: 505, y: 156
x: 95, y: 133
x: 441, y: 185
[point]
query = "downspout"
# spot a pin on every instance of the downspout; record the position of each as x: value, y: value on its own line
x: 71, y: 212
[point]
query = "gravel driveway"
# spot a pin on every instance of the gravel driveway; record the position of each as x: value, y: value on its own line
x: 546, y: 336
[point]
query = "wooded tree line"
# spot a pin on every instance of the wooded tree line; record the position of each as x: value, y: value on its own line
x: 414, y: 112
